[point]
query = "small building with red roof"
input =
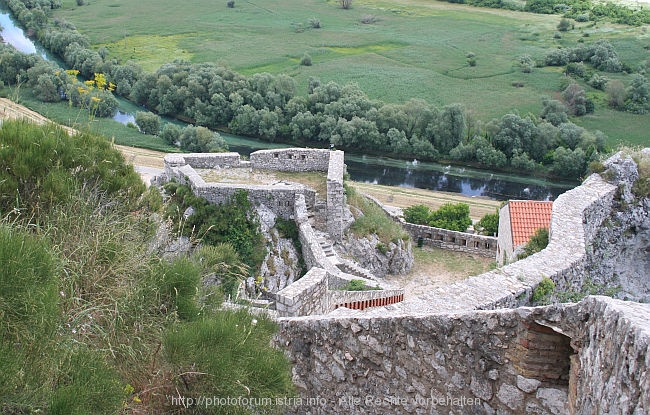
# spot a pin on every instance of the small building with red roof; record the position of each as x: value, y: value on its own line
x: 518, y: 221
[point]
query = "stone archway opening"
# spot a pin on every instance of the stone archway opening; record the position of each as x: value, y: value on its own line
x: 542, y: 353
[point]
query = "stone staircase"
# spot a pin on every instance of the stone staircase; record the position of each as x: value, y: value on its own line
x: 351, y: 268
x: 328, y: 249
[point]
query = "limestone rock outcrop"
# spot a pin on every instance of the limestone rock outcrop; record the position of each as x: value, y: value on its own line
x: 377, y: 257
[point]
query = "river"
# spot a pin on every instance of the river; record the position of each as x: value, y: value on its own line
x: 362, y: 168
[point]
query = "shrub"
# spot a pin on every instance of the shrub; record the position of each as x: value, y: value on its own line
x: 374, y: 221
x: 87, y: 385
x: 231, y: 4
x: 417, y: 214
x: 177, y: 284
x: 305, y: 60
x: 488, y: 225
x: 234, y: 222
x: 357, y: 285
x: 451, y: 216
x: 537, y: 242
x: 229, y: 354
x: 43, y: 166
x: 583, y: 17
x: 564, y: 25
x: 314, y: 22
x: 543, y: 291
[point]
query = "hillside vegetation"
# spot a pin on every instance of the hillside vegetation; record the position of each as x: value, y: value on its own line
x: 538, y: 132
x: 92, y: 319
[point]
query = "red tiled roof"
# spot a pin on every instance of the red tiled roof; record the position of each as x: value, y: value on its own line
x: 526, y: 216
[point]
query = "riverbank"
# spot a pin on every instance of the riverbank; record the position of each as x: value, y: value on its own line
x: 394, y: 196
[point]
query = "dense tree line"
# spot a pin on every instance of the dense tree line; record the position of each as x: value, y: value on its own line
x: 267, y: 106
x: 581, y: 10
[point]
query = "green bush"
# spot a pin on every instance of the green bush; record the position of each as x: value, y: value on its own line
x: 229, y: 354
x: 543, y: 291
x: 234, y: 222
x: 451, y: 216
x: 418, y: 214
x: 29, y: 315
x: 177, y: 287
x: 537, y: 242
x: 305, y: 60
x: 357, y: 285
x: 489, y: 224
x: 374, y: 221
x: 222, y: 260
x: 87, y: 385
x: 41, y: 166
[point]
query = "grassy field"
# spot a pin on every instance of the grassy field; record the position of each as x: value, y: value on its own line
x: 415, y: 48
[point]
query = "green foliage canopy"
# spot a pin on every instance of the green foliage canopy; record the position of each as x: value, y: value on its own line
x: 452, y: 216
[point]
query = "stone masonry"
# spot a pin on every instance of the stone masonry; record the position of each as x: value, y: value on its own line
x: 585, y: 358
x: 311, y: 294
x: 458, y: 351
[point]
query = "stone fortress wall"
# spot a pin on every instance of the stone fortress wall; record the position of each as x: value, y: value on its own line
x: 318, y: 291
x: 585, y: 358
x: 279, y: 197
x: 458, y: 344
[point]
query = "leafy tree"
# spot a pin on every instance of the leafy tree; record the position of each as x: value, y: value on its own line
x: 638, y: 94
x: 514, y: 133
x: 567, y: 163
x: 615, y: 93
x: 451, y: 216
x: 575, y: 99
x: 304, y: 126
x: 423, y: 148
x: 417, y: 214
x: 488, y: 225
x: 521, y: 161
x: 447, y: 128
x: 147, y: 122
x: 570, y: 134
x: 201, y: 140
x: 553, y: 111
x: 170, y: 133
x: 398, y: 142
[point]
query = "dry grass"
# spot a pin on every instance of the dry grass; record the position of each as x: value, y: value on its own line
x: 435, y: 268
x: 403, y: 197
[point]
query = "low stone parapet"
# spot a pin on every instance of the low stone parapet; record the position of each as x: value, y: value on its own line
x: 453, y: 240
x: 291, y: 159
x: 304, y: 297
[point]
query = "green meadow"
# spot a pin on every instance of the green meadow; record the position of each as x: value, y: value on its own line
x: 411, y: 48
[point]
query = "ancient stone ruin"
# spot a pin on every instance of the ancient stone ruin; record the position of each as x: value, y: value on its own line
x: 477, y: 346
